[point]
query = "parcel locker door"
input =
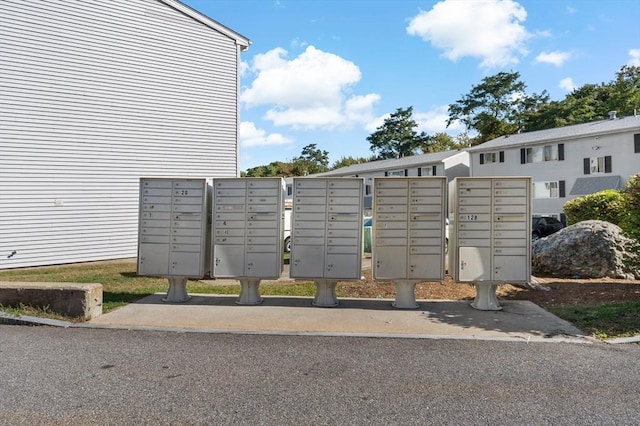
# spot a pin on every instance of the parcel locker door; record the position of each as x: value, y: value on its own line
x: 389, y: 263
x: 474, y: 263
x: 228, y: 260
x: 307, y: 261
x: 153, y: 259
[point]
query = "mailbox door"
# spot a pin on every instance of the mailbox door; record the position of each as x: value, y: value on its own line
x: 389, y: 263
x: 510, y: 268
x: 307, y: 262
x: 228, y: 260
x: 153, y: 259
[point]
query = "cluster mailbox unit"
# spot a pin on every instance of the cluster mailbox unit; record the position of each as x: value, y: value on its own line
x: 247, y: 229
x: 408, y: 233
x: 182, y: 235
x: 326, y: 243
x: 172, y: 232
x: 491, y: 234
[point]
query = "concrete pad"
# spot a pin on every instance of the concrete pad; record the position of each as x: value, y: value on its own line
x: 519, y: 320
x: 71, y: 299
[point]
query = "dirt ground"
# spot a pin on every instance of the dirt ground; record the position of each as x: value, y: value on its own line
x: 559, y: 292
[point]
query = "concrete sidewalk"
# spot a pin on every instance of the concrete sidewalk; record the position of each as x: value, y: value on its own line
x: 518, y: 321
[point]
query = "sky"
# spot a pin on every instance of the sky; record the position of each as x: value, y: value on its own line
x: 328, y: 72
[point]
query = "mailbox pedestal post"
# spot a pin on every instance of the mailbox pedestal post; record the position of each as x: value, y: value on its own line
x: 249, y: 292
x: 177, y: 290
x: 405, y: 295
x: 325, y: 294
x: 486, y: 299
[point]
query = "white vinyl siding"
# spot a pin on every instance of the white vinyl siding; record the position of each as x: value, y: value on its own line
x: 95, y: 95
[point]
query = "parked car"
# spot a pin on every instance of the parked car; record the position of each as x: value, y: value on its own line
x: 543, y: 226
x: 287, y: 230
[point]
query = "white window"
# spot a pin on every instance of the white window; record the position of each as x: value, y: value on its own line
x: 428, y: 171
x: 597, y: 165
x: 538, y: 154
x: 396, y: 173
x: 491, y: 157
x: 545, y: 190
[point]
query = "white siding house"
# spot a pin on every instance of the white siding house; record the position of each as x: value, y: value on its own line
x: 565, y: 162
x: 451, y: 164
x: 95, y: 95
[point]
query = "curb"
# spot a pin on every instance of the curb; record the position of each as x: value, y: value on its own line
x: 9, y: 319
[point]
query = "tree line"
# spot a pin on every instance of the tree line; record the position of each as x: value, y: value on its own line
x: 499, y: 105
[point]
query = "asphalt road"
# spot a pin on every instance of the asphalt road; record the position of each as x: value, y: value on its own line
x: 91, y: 376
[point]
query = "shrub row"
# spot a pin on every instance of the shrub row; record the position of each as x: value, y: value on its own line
x: 618, y: 207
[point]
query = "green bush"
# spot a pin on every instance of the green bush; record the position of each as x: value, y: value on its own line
x: 631, y: 192
x: 608, y: 205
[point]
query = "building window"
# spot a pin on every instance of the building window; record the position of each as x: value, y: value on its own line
x: 492, y: 157
x: 367, y: 189
x: 395, y: 173
x: 553, y: 189
x: 539, y: 154
x: 597, y: 165
x: 427, y: 171
x: 636, y: 143
x: 289, y: 190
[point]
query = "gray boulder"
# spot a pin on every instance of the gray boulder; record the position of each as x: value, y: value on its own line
x: 588, y: 249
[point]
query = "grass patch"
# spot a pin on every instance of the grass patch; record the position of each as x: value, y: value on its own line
x: 606, y: 320
x: 121, y: 285
x: 34, y: 311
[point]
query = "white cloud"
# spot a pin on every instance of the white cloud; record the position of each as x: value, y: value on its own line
x: 567, y: 84
x: 487, y: 29
x: 634, y: 59
x: 556, y: 58
x: 376, y: 122
x: 250, y: 135
x: 435, y: 121
x: 430, y: 122
x: 312, y: 90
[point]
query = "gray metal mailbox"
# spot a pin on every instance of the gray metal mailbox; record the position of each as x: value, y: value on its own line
x: 172, y: 231
x: 326, y: 243
x: 491, y: 233
x: 247, y: 229
x: 408, y: 233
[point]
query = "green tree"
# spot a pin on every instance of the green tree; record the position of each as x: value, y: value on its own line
x: 440, y: 142
x: 495, y: 107
x: 397, y: 136
x: 590, y: 102
x: 312, y: 160
x: 274, y: 169
x: 350, y: 161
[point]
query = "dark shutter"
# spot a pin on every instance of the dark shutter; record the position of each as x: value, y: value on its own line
x: 419, y: 171
x: 607, y: 164
x: 561, y: 152
x: 561, y: 189
x: 406, y: 172
x: 386, y: 173
x: 636, y: 143
x: 502, y: 156
x: 523, y: 156
x: 481, y: 158
x: 433, y: 171
x: 587, y: 166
